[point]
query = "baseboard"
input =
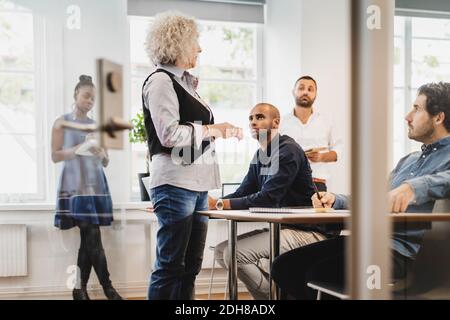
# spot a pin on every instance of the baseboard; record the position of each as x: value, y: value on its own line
x: 125, y: 289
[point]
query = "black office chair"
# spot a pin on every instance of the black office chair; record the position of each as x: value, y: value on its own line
x: 427, y: 279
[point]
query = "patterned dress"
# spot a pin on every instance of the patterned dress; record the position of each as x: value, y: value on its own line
x: 83, y: 192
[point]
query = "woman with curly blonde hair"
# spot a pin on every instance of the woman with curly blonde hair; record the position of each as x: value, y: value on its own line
x: 181, y: 133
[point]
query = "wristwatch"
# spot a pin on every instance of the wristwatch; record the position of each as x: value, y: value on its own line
x: 219, y: 204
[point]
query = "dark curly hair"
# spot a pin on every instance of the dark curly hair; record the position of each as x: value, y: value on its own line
x: 438, y: 100
x: 84, y: 80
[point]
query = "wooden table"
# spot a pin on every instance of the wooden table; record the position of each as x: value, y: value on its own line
x: 275, y: 219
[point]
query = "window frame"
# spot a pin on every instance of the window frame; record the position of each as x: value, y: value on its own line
x: 38, y: 73
x: 408, y: 91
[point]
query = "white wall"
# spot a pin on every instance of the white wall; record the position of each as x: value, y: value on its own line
x: 312, y: 37
x: 326, y: 53
x: 282, y: 51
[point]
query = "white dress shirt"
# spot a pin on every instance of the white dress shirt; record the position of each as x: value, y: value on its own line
x: 317, y: 132
x: 203, y: 174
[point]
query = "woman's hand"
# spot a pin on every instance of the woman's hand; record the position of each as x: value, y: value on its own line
x: 225, y: 130
x: 100, y: 154
x: 97, y: 151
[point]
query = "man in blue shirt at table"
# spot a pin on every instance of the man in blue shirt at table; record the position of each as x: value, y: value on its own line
x: 417, y: 181
x: 279, y: 176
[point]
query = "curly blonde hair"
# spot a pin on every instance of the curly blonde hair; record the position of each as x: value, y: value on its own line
x: 171, y: 36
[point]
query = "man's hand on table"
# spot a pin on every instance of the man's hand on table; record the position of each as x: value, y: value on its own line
x: 212, y: 203
x: 400, y: 198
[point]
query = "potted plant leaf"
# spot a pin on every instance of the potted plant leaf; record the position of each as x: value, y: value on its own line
x: 139, y: 135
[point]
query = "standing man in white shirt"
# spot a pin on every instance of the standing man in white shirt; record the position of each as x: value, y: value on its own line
x: 313, y: 131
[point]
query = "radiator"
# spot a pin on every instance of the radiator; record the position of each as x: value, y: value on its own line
x: 13, y: 250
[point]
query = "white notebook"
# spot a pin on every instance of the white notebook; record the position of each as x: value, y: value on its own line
x: 294, y: 210
x: 84, y: 149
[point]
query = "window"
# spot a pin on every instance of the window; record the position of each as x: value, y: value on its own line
x: 20, y: 128
x: 422, y: 55
x: 140, y: 69
x: 229, y: 71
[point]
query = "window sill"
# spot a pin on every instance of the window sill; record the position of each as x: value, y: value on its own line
x: 51, y: 206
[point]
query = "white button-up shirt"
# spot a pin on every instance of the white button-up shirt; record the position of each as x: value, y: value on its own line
x: 203, y: 174
x: 317, y: 132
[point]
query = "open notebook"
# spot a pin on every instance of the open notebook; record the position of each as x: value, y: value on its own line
x: 294, y: 210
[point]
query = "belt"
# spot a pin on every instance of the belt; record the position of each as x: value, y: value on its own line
x: 319, y: 180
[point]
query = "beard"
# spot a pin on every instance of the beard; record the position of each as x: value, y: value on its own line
x: 421, y: 135
x: 304, y: 102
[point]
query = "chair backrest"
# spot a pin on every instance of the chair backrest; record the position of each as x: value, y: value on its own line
x: 442, y: 206
x: 228, y: 188
x: 431, y: 269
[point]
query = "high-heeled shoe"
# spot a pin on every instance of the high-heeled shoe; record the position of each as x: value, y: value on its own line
x: 111, y: 293
x: 80, y: 294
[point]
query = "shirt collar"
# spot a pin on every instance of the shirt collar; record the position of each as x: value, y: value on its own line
x: 314, y: 114
x: 177, y: 71
x: 440, y: 143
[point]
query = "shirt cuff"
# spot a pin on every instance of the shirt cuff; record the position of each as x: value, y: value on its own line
x: 420, y: 188
x: 238, y: 203
x: 340, y: 202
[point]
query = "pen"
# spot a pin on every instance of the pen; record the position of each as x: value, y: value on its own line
x: 318, y: 194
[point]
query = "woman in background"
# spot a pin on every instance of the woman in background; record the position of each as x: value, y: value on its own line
x: 83, y: 198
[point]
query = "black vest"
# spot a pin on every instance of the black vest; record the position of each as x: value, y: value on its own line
x: 191, y: 110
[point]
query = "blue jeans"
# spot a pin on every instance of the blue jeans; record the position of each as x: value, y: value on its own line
x: 180, y: 242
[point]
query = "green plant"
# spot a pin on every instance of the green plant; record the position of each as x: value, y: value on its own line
x: 138, y: 134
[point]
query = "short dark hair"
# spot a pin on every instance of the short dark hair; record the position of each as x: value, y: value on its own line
x: 438, y: 100
x: 274, y: 112
x: 306, y: 78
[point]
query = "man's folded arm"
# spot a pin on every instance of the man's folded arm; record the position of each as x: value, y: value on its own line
x: 247, y: 186
x: 431, y: 187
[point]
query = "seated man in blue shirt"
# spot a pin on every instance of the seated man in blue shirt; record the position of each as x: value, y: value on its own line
x: 417, y: 181
x: 279, y: 176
